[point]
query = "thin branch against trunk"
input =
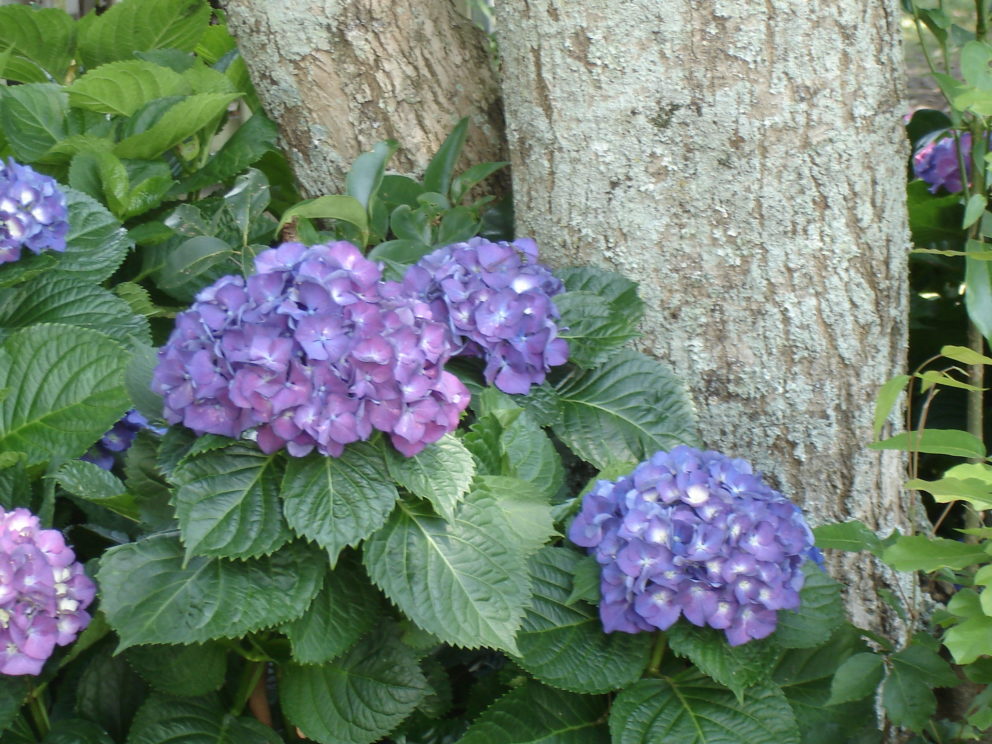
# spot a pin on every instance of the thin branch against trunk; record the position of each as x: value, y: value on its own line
x: 340, y: 76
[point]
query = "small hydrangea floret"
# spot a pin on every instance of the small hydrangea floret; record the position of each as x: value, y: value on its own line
x: 694, y: 534
x: 44, y: 593
x: 119, y: 439
x: 496, y: 301
x: 33, y: 212
x: 312, y: 351
x: 937, y: 163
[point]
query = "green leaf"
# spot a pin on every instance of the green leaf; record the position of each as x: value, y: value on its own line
x: 973, y: 210
x: 335, y: 207
x: 45, y: 36
x: 925, y: 664
x: 404, y: 252
x: 888, y: 394
x: 227, y: 503
x: 906, y: 693
x: 32, y: 117
x: 564, y: 645
x: 735, y: 667
x: 935, y: 442
x: 338, y: 501
x: 180, y: 670
x: 194, y: 261
x: 357, y: 699
x: 345, y: 609
x: 417, y: 557
x: 138, y: 380
x: 76, y: 731
x: 141, y: 25
x: 411, y: 225
x: 978, y: 292
x: 98, y: 486
x: 65, y: 389
x: 166, y: 720
x: 857, y: 678
x: 179, y: 122
x: 365, y: 176
x: 457, y: 225
x: 969, y: 639
x: 441, y: 473
x: 524, y: 508
x: 820, y: 613
x: 692, y: 709
x: 585, y: 581
x: 437, y: 175
x: 96, y: 244
x: 121, y: 88
x: 975, y: 59
x: 964, y: 355
x: 250, y: 141
x: 937, y: 377
x: 534, y: 714
x: 396, y: 190
x: 852, y: 535
x: 108, y: 691
x: 596, y: 327
x: 66, y: 299
x: 920, y: 553
x: 971, y: 482
x: 13, y: 690
x: 624, y: 411
x: 149, y: 596
x: 465, y: 182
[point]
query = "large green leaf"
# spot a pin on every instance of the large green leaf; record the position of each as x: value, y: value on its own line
x: 249, y: 142
x: 168, y: 720
x: 346, y: 608
x: 150, y: 596
x: 935, y: 441
x: 534, y: 714
x: 32, y: 117
x: 921, y: 553
x: 564, y: 645
x: 623, y: 411
x: 180, y: 670
x: 439, y: 172
x: 108, y: 691
x: 45, y: 36
x: 141, y: 25
x: 98, y: 486
x: 357, y: 699
x: 180, y: 121
x: 820, y: 613
x: 524, y: 508
x: 735, y: 667
x: 228, y: 505
x: 64, y: 389
x: 472, y: 562
x: 338, y: 501
x: 600, y: 312
x: 96, y: 244
x: 124, y: 87
x: 73, y: 301
x: 692, y: 709
x: 441, y: 473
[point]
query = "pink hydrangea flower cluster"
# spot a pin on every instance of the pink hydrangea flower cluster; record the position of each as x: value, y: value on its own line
x: 313, y: 350
x: 44, y: 593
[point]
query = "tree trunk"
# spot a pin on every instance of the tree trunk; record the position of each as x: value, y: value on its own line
x: 745, y: 163
x: 340, y: 76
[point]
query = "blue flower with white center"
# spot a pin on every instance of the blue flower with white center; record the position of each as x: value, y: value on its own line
x: 694, y: 534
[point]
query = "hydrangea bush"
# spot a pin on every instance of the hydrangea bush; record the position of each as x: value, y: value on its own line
x: 350, y: 439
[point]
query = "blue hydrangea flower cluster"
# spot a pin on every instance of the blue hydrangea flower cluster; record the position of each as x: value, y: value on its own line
x: 313, y: 351
x: 44, y: 593
x: 937, y: 163
x: 694, y: 534
x: 33, y: 212
x: 118, y: 439
x: 496, y: 300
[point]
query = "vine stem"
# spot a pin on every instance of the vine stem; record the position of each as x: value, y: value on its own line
x: 251, y: 675
x: 657, y: 654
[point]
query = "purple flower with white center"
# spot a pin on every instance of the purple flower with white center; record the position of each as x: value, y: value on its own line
x: 118, y: 439
x: 937, y: 163
x: 313, y: 351
x: 496, y: 301
x: 44, y: 593
x: 33, y: 212
x: 694, y: 534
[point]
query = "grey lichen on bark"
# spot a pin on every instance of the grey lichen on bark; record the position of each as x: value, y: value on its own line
x: 744, y: 162
x: 339, y: 76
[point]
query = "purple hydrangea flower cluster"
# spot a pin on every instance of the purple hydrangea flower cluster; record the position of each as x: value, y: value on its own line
x: 694, y: 534
x: 313, y: 350
x: 937, y: 163
x: 496, y: 300
x: 33, y: 212
x: 118, y: 439
x: 44, y: 593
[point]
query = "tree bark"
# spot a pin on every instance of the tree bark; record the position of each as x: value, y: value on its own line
x: 340, y: 76
x: 745, y: 163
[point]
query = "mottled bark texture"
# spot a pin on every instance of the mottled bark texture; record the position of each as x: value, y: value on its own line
x: 340, y: 75
x: 745, y: 162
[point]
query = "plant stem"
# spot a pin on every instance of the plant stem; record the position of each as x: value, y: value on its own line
x: 39, y: 716
x: 657, y: 654
x: 250, y: 676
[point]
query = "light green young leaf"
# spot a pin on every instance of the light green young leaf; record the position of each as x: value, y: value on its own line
x: 919, y: 553
x: 857, y: 678
x: 852, y: 535
x: 965, y: 355
x: 973, y: 210
x: 32, y: 117
x: 887, y: 396
x: 179, y: 122
x: 935, y: 442
x: 334, y: 207
x: 121, y: 88
x: 45, y: 36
